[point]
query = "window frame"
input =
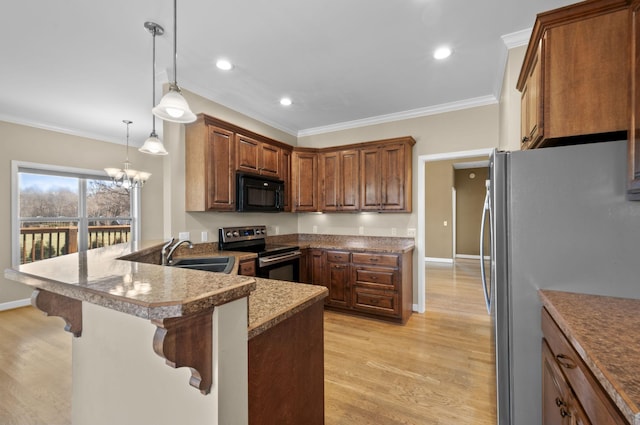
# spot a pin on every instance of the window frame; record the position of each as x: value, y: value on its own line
x: 82, y: 175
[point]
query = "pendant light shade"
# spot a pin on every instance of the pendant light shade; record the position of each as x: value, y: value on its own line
x: 173, y: 106
x: 153, y: 145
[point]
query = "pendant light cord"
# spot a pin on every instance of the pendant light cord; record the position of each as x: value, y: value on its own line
x: 175, y: 43
x: 153, y: 81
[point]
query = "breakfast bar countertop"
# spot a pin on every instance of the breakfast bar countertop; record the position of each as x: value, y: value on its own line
x: 149, y: 291
x: 603, y: 332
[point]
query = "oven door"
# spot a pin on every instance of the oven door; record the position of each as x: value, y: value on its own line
x: 284, y: 266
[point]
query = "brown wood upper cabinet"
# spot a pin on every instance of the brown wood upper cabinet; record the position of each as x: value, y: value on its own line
x: 209, y: 172
x: 385, y: 176
x: 256, y: 157
x: 339, y: 178
x: 575, y: 75
x: 215, y: 150
x: 304, y: 178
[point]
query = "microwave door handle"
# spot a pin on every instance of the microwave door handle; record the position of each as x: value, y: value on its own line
x: 487, y: 301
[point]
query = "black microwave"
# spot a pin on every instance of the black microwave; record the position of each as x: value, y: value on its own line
x: 258, y: 193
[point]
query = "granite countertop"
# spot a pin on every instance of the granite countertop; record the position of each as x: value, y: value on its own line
x: 603, y: 330
x: 132, y: 281
x: 380, y: 244
x: 275, y: 300
x: 149, y: 291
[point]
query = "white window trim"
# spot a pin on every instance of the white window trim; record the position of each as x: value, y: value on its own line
x: 15, y: 217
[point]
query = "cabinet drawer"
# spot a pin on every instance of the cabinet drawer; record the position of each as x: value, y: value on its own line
x: 597, y: 405
x: 384, y: 277
x: 375, y: 259
x: 338, y: 256
x: 378, y: 302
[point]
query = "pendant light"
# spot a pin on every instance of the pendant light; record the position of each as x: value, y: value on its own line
x: 127, y: 177
x: 173, y: 107
x: 153, y: 145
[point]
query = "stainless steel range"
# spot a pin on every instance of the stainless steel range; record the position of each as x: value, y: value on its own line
x: 275, y: 261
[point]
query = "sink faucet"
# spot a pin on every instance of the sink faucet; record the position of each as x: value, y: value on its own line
x: 166, y: 257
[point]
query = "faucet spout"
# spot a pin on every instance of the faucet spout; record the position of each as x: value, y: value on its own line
x: 169, y: 256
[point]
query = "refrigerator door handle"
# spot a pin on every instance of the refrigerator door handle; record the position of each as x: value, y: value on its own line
x: 487, y: 298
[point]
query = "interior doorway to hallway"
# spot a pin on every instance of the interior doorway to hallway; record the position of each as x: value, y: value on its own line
x: 423, y: 206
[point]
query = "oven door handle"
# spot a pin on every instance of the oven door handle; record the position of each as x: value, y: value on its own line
x: 279, y: 258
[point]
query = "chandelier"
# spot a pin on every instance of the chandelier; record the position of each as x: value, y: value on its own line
x: 127, y: 177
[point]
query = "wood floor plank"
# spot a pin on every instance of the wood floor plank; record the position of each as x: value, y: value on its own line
x: 436, y: 369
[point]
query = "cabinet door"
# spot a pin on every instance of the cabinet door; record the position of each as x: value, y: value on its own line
x: 285, y: 175
x: 316, y: 264
x: 393, y: 177
x: 338, y: 280
x: 329, y: 171
x: 247, y: 154
x: 247, y: 267
x: 586, y: 76
x: 269, y: 161
x: 304, y: 174
x: 555, y: 391
x: 370, y: 176
x: 221, y: 183
x: 531, y: 105
x: 349, y: 193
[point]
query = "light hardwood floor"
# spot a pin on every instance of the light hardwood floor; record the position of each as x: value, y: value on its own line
x: 437, y: 369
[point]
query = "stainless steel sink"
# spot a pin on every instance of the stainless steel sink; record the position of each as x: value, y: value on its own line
x: 211, y: 264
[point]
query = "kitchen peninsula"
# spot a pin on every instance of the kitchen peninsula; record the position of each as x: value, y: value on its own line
x: 213, y: 327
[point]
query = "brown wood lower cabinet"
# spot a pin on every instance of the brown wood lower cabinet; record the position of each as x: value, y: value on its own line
x: 373, y: 284
x: 570, y: 392
x: 286, y: 371
x: 247, y: 267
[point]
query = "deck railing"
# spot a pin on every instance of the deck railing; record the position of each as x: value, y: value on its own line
x: 39, y: 243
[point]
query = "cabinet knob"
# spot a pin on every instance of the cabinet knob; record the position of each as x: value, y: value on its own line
x: 525, y: 139
x: 564, y: 413
x: 559, y: 402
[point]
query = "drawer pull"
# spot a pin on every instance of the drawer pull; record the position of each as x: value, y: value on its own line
x: 559, y: 402
x: 373, y: 260
x: 564, y: 413
x: 565, y: 361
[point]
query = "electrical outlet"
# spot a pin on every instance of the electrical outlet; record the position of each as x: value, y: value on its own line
x: 184, y: 236
x: 394, y: 232
x: 204, y: 236
x: 276, y: 230
x: 445, y: 224
x: 315, y: 229
x: 411, y: 232
x: 361, y: 230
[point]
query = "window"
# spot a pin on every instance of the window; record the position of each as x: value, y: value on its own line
x: 58, y: 211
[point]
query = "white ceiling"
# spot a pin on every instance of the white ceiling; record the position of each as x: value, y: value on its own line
x: 82, y: 66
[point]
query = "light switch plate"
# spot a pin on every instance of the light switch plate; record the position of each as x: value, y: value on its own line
x: 204, y: 236
x: 411, y: 232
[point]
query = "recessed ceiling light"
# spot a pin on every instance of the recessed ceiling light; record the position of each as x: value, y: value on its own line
x: 224, y: 64
x: 285, y: 101
x: 442, y: 53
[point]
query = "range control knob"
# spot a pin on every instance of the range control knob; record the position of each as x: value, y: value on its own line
x: 228, y: 234
x: 235, y: 233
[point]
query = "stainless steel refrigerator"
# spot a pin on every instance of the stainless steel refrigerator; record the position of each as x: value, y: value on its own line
x: 558, y: 220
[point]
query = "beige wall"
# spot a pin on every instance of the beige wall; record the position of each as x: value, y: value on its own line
x: 510, y: 102
x: 470, y: 194
x: 28, y: 144
x: 440, y: 179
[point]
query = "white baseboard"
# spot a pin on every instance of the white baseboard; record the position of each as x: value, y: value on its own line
x: 439, y: 260
x: 15, y: 304
x: 416, y: 309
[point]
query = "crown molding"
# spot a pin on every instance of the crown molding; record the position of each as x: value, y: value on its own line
x: 517, y: 39
x: 413, y: 113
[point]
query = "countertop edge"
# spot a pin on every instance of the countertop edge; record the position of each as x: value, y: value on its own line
x: 625, y: 405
